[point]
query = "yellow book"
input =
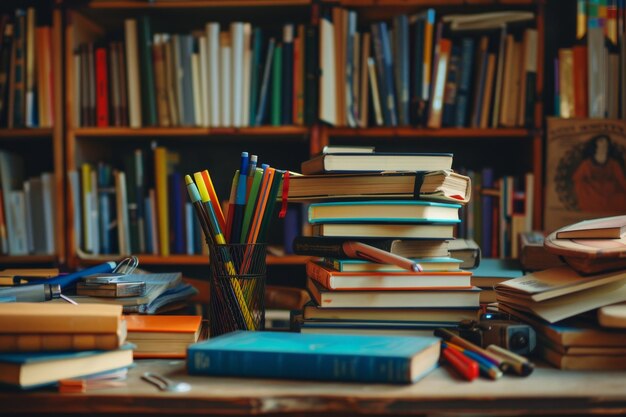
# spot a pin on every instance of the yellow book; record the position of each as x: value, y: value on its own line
x: 160, y: 174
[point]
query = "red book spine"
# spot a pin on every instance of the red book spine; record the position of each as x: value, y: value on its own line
x: 102, y: 88
x: 580, y: 81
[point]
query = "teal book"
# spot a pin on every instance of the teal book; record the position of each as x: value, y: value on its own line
x: 277, y: 79
x: 35, y: 369
x: 358, y: 358
x: 492, y: 271
x: 431, y: 264
x: 255, y: 76
x: 383, y: 211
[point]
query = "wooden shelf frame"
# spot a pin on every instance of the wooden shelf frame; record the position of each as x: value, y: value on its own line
x: 194, y: 4
x: 189, y: 260
x: 268, y: 131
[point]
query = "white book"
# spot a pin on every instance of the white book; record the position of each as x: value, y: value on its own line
x: 204, y: 80
x: 236, y: 66
x: 213, y: 57
x: 247, y: 73
x: 16, y: 216
x: 132, y: 71
x: 197, y: 90
x: 328, y: 82
x: 123, y: 231
x: 225, y: 82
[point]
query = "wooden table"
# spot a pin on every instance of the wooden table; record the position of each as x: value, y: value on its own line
x: 546, y: 392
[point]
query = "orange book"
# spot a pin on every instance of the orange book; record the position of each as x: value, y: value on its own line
x: 406, y: 280
x: 162, y: 336
x: 580, y: 81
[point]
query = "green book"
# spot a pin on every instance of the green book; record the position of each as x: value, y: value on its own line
x: 148, y: 95
x: 277, y: 86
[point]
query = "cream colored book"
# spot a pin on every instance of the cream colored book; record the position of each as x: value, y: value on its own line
x: 132, y: 70
x: 566, y: 82
x: 226, y: 92
x: 328, y: 77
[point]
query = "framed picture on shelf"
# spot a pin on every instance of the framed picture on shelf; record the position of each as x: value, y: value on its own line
x: 585, y: 170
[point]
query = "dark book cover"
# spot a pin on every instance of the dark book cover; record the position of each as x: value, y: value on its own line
x: 286, y: 113
x: 463, y: 94
x: 148, y: 96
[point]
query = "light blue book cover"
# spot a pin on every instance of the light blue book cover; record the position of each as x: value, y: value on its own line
x: 384, y: 211
x: 439, y: 263
x: 333, y: 357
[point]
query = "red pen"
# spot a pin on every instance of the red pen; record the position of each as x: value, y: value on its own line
x: 465, y: 366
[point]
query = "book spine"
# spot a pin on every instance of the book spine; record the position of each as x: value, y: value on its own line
x: 265, y: 84
x: 319, y: 274
x: 277, y: 86
x: 306, y: 245
x: 57, y: 342
x: 360, y: 368
x: 311, y: 86
x: 132, y: 72
x: 463, y: 94
x: 148, y: 96
x: 102, y: 88
x: 287, y: 78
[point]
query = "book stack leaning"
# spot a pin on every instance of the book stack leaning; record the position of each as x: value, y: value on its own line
x: 577, y: 309
x: 45, y: 343
x: 412, y: 213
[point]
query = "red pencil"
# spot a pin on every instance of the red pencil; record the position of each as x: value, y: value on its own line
x: 465, y: 366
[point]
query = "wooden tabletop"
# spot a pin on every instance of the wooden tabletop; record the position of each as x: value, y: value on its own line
x: 546, y: 391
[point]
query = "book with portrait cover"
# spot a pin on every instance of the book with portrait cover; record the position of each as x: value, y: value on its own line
x: 585, y: 170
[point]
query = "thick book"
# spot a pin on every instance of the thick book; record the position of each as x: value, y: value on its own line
x: 429, y: 264
x: 375, y: 211
x: 600, y: 228
x: 332, y: 247
x: 533, y: 255
x: 30, y: 370
x: 449, y: 315
x: 377, y: 162
x: 442, y: 185
x: 33, y: 318
x: 408, y: 280
x: 559, y: 293
x: 566, y: 361
x: 467, y: 298
x: 356, y: 358
x: 374, y: 328
x: 467, y: 250
x: 373, y: 230
x: 162, y: 336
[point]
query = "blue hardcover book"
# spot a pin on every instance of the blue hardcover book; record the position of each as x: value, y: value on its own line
x: 186, y: 51
x: 177, y: 219
x: 35, y: 369
x: 465, y: 77
x: 380, y: 71
x: 359, y: 358
x: 452, y: 82
x: 401, y: 41
x: 148, y: 216
x: 417, y: 69
x: 432, y: 264
x: 383, y: 211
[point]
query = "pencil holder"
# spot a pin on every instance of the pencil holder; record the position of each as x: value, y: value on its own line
x: 237, y: 287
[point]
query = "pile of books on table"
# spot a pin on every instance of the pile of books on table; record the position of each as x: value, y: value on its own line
x: 44, y: 343
x: 577, y: 309
x: 412, y: 213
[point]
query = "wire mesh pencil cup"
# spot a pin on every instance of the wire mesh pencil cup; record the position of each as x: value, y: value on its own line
x: 237, y: 287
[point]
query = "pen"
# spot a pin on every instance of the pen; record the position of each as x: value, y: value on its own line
x: 31, y: 293
x: 240, y: 199
x: 519, y: 364
x: 465, y: 366
x: 69, y: 279
x: 370, y: 253
x: 452, y: 338
x: 485, y: 367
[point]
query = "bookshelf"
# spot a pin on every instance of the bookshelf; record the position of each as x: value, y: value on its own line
x: 36, y: 140
x: 511, y: 150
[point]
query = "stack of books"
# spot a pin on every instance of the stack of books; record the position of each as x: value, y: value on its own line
x: 43, y: 343
x: 572, y: 307
x: 365, y: 296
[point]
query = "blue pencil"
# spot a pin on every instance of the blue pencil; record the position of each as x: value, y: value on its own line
x: 240, y: 199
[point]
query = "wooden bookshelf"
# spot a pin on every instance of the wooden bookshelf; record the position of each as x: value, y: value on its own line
x: 189, y: 260
x: 409, y: 132
x: 40, y: 133
x: 194, y: 4
x: 163, y: 132
x: 29, y: 259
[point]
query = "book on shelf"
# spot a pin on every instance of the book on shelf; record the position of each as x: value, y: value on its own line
x: 430, y: 264
x: 558, y: 293
x: 335, y: 280
x: 383, y: 359
x: 332, y: 247
x: 393, y: 298
x: 34, y: 369
x: 443, y: 185
x: 373, y: 230
x: 598, y: 228
x: 162, y: 336
x: 373, y: 211
x: 376, y: 162
x: 443, y: 314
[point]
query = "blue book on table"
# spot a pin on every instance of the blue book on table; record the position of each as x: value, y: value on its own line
x: 333, y: 357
